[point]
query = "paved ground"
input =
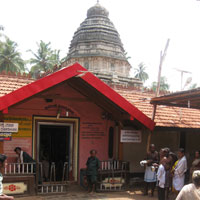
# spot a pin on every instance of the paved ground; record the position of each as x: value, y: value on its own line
x: 79, y: 193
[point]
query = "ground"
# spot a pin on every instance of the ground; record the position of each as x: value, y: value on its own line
x: 76, y: 192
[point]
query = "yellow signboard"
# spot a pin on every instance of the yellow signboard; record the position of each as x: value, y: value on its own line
x: 24, y: 125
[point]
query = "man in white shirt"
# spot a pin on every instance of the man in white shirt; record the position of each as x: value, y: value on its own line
x: 179, y: 171
x: 161, y: 182
x: 191, y: 191
x: 161, y: 176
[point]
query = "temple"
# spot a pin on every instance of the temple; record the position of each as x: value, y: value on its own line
x: 97, y: 46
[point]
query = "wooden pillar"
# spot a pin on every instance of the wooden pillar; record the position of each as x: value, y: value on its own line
x: 1, y: 142
x: 1, y: 147
x: 120, y: 152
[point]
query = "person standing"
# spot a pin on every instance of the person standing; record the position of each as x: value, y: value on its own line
x: 195, y: 164
x: 161, y: 177
x: 179, y: 171
x: 3, y: 196
x: 23, y: 157
x: 192, y: 190
x: 93, y: 165
x: 172, y: 158
x: 150, y: 175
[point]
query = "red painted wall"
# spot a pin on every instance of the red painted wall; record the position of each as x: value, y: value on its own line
x: 93, y: 129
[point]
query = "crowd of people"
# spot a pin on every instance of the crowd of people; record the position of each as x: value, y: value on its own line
x: 167, y: 171
x: 164, y: 170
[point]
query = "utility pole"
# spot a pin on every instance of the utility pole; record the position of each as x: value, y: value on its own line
x: 162, y: 58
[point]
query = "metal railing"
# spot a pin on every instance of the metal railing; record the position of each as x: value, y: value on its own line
x: 52, y: 188
x: 113, y: 175
x: 114, y: 165
x: 65, y: 176
x: 19, y: 168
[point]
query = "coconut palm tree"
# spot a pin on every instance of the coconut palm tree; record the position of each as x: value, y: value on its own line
x: 44, y: 59
x: 140, y: 72
x: 10, y: 57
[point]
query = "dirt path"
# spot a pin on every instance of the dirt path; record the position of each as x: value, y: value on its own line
x: 134, y: 195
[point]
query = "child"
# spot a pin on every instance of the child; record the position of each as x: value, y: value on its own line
x: 3, y: 196
x: 161, y: 176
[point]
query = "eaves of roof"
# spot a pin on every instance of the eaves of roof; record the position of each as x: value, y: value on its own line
x: 51, y: 80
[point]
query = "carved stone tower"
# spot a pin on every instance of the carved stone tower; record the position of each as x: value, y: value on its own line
x: 97, y: 46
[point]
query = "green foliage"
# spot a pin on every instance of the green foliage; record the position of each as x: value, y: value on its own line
x: 44, y: 59
x: 164, y: 86
x: 10, y: 57
x: 140, y: 72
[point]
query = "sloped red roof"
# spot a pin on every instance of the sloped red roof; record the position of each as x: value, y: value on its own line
x: 53, y: 79
x: 166, y: 116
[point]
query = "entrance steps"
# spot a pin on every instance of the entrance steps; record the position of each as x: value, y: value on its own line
x: 55, y: 187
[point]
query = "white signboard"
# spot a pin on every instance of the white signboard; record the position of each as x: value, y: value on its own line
x: 8, y: 127
x: 131, y: 136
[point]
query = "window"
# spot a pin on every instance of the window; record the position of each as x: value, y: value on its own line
x: 110, y: 142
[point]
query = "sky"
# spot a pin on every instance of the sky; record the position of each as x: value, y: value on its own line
x: 144, y: 27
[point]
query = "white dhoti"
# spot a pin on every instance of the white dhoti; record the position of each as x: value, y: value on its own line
x: 178, y: 182
x: 149, y: 176
x: 179, y: 174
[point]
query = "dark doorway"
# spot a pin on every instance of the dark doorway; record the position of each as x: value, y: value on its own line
x: 182, y: 140
x: 54, y: 147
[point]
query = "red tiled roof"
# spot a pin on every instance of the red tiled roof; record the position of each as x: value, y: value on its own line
x: 165, y: 116
x: 51, y: 80
x: 10, y: 83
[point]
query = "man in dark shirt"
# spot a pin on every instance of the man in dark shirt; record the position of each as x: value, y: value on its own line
x: 23, y: 156
x: 93, y: 165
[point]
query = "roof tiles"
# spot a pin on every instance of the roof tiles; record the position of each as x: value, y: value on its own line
x: 10, y: 83
x: 66, y: 73
x: 165, y: 116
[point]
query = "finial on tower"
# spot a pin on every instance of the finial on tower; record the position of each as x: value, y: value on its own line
x: 97, y: 1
